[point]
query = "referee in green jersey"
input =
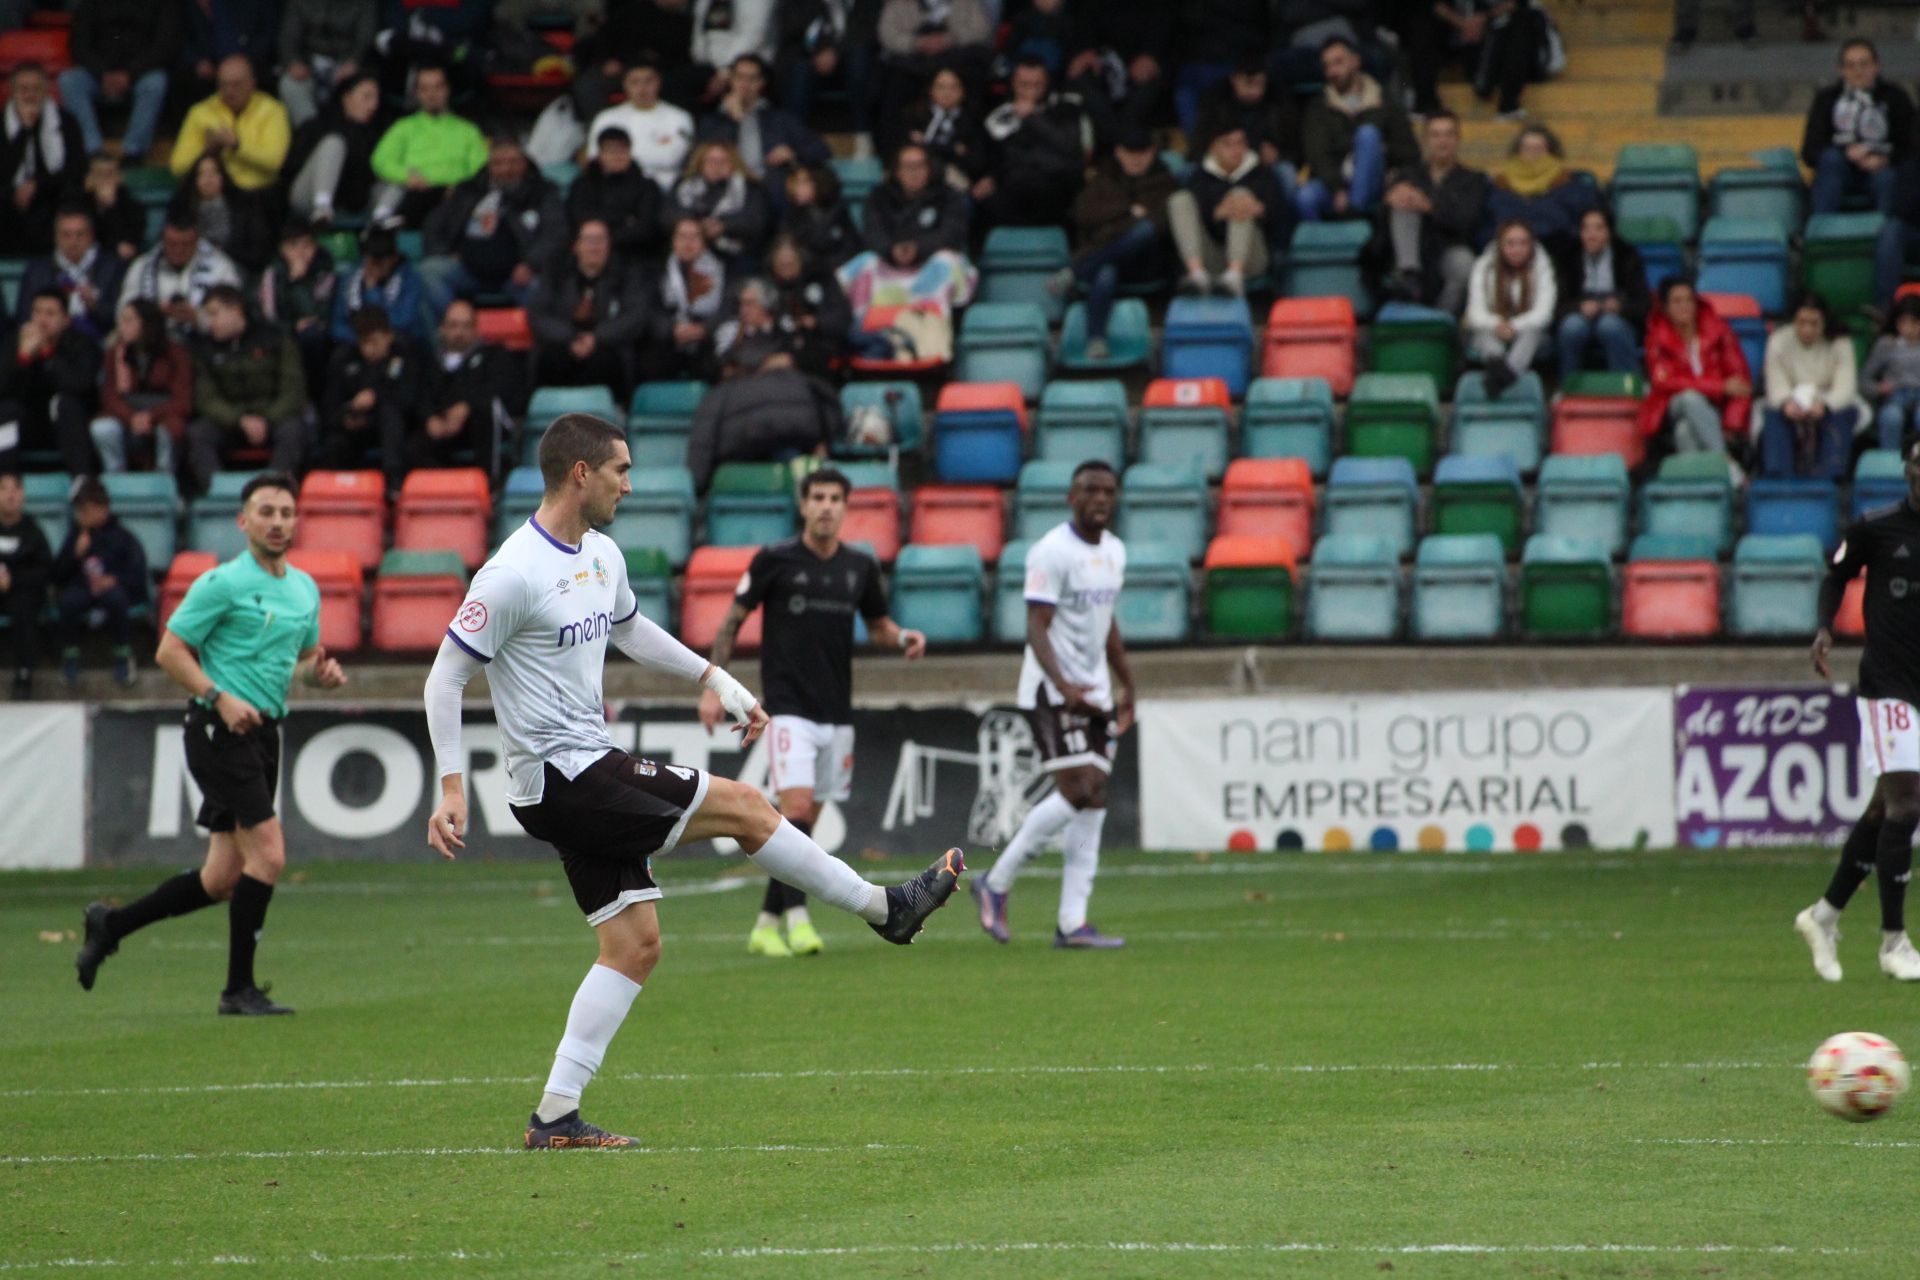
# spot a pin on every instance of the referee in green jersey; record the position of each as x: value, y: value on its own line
x: 245, y: 629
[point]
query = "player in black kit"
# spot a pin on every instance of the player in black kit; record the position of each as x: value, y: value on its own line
x: 811, y: 586
x: 1885, y: 542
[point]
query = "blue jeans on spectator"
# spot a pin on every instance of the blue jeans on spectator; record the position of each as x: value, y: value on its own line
x: 78, y: 91
x: 1895, y: 415
x: 82, y: 611
x: 444, y: 278
x: 1314, y: 200
x: 1099, y: 270
x: 1190, y: 85
x: 1833, y: 445
x: 1836, y: 177
x: 1616, y: 339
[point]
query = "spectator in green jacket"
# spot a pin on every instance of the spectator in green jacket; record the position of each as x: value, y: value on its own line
x: 249, y: 391
x: 425, y: 154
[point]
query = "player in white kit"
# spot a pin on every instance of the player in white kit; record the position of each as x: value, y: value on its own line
x: 538, y: 616
x: 1077, y: 691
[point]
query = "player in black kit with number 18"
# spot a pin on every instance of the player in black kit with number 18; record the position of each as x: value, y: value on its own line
x: 1885, y: 542
x: 812, y: 586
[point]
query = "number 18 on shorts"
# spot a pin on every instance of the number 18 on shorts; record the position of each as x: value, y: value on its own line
x: 1889, y: 736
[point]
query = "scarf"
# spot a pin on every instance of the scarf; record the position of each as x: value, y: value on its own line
x: 159, y: 280
x: 693, y: 292
x: 753, y: 152
x: 1366, y: 96
x: 939, y: 133
x: 1532, y: 177
x: 1858, y: 118
x: 697, y: 194
x: 46, y: 151
x: 384, y: 295
x: 215, y: 221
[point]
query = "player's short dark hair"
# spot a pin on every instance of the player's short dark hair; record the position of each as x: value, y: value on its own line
x: 825, y: 475
x: 1095, y: 464
x: 91, y: 493
x: 268, y: 480
x: 225, y: 295
x: 575, y: 437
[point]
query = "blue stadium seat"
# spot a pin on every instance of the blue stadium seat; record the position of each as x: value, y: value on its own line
x: 1010, y: 595
x: 1879, y: 478
x: 1786, y: 507
x: 937, y: 590
x: 1776, y: 585
x: 1354, y: 589
x: 1040, y: 499
x: 1164, y: 504
x: 1208, y: 338
x: 1745, y: 255
x: 979, y: 434
x: 1289, y: 418
x: 1155, y: 605
x: 1663, y: 252
x: 1082, y: 420
x: 659, y: 514
x: 147, y: 503
x: 1129, y: 338
x: 659, y: 420
x: 1460, y: 588
x: 1512, y: 426
x: 1377, y: 496
x: 1584, y: 496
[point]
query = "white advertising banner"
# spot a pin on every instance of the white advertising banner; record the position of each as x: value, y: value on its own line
x: 1475, y: 772
x: 43, y: 786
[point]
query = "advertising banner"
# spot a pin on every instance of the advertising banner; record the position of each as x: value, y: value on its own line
x: 360, y: 783
x: 1765, y: 766
x: 1514, y: 770
x: 43, y: 785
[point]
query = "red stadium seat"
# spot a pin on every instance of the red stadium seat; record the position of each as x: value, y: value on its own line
x: 1671, y: 600
x: 713, y: 573
x: 344, y: 511
x: 1733, y: 306
x: 952, y: 514
x: 1311, y: 338
x: 186, y: 566
x: 505, y: 327
x: 1585, y: 425
x: 1188, y: 393
x: 445, y: 509
x: 873, y: 517
x: 48, y: 46
x: 411, y: 611
x: 1851, y: 621
x: 1251, y: 551
x: 1270, y: 497
x: 1907, y: 291
x: 984, y: 397
x: 342, y: 587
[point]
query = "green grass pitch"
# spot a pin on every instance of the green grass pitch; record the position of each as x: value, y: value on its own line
x: 1573, y: 1065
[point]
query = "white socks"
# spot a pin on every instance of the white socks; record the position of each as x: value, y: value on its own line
x: 791, y: 856
x: 1043, y: 821
x: 1825, y: 913
x: 599, y: 1007
x: 1081, y: 845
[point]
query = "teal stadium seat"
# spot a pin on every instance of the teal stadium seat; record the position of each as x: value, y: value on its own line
x: 1745, y: 256
x: 1040, y: 497
x: 1776, y: 585
x: 1692, y: 494
x: 1353, y: 592
x: 750, y: 504
x: 549, y: 403
x: 900, y: 401
x: 1187, y: 422
x: 1164, y: 504
x: 147, y: 503
x: 1879, y: 478
x: 1155, y: 605
x: 1010, y: 595
x: 1584, y: 496
x: 1289, y: 418
x: 937, y: 590
x: 1129, y: 338
x: 1460, y: 588
x: 659, y: 420
x: 659, y: 514
x: 519, y: 499
x: 1323, y: 261
x: 1377, y: 496
x: 1004, y: 342
x: 1512, y: 426
x: 1016, y: 264
x: 1769, y: 192
x: 651, y: 577
x: 46, y: 494
x: 211, y: 518
x: 1082, y: 420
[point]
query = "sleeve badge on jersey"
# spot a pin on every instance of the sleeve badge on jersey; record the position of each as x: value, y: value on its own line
x: 473, y: 616
x: 1037, y: 582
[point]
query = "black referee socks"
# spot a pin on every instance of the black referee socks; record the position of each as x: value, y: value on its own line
x: 1895, y: 866
x: 1857, y: 860
x: 246, y: 915
x: 177, y: 896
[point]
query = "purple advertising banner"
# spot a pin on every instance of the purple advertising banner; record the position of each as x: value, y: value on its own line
x: 1765, y: 766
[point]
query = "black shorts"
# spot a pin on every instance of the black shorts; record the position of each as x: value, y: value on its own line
x: 238, y: 773
x: 606, y: 822
x: 1066, y: 740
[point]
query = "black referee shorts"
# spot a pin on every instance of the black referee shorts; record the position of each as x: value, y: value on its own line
x: 607, y: 822
x: 238, y: 773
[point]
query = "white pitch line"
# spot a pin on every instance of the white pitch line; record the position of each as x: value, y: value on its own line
x: 912, y: 1073
x: 1888, y: 1144
x: 171, y: 1157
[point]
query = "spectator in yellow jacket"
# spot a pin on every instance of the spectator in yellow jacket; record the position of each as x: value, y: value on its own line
x: 246, y: 130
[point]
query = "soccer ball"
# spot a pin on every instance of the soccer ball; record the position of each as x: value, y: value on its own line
x: 1858, y: 1075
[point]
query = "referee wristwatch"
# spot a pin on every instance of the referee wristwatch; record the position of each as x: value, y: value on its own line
x: 208, y: 700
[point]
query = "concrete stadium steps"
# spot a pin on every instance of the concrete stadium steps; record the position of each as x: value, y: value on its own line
x: 1718, y: 79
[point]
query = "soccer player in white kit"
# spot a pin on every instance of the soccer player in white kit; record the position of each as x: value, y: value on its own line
x: 538, y: 616
x: 1077, y: 690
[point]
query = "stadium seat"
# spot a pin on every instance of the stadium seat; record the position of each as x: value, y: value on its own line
x: 1479, y: 495
x: 1879, y: 478
x: 659, y: 514
x: 750, y: 504
x: 46, y: 494
x: 1040, y: 499
x: 1082, y: 420
x: 1405, y: 338
x: 858, y: 176
x: 1693, y: 494
x: 415, y: 598
x: 1460, y: 588
x: 1658, y: 180
x: 873, y: 517
x: 1374, y: 496
x: 979, y: 432
x: 147, y: 504
x: 1566, y: 588
x: 937, y: 590
x: 1671, y: 589
x: 1584, y: 497
x: 519, y: 499
x: 1786, y: 507
x: 1353, y: 591
x: 1269, y: 497
x: 1289, y: 418
x: 1837, y: 259
x: 1311, y: 338
x: 879, y: 319
x: 900, y: 401
x: 1394, y: 415
x: 1663, y: 251
x: 1016, y: 265
x: 1208, y: 338
x: 1766, y: 192
x: 1512, y: 426
x: 186, y: 566
x: 342, y: 586
x: 211, y: 518
x: 659, y: 419
x: 1129, y: 338
x: 1850, y: 622
x: 448, y: 508
x: 345, y: 510
x: 1323, y: 261
x: 1164, y: 504
x: 1603, y: 383
x: 1742, y: 315
x: 1250, y: 588
x: 47, y: 46
x: 1585, y: 426
x: 712, y: 575
x: 1155, y: 605
x: 1187, y: 421
x: 650, y: 575
x: 1010, y: 595
x: 549, y: 403
x: 951, y: 514
x: 1004, y: 342
x: 1776, y: 586
x: 1745, y: 255
x: 504, y: 327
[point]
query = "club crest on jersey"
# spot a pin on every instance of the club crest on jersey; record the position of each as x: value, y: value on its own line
x: 599, y: 571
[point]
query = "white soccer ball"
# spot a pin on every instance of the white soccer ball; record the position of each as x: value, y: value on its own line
x: 1858, y: 1075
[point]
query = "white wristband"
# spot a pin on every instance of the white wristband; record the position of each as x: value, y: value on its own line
x: 905, y: 642
x: 733, y: 695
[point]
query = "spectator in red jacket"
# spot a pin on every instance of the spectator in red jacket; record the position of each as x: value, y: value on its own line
x: 1698, y: 378
x: 146, y: 393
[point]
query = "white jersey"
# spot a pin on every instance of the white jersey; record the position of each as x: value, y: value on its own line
x: 661, y: 138
x: 1081, y: 580
x: 538, y: 614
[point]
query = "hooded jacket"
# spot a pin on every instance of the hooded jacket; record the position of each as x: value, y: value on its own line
x: 756, y: 416
x: 1670, y: 370
x: 628, y: 202
x: 531, y: 207
x: 1209, y: 184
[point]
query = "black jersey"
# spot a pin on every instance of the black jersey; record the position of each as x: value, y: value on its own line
x: 806, y: 653
x: 1886, y: 543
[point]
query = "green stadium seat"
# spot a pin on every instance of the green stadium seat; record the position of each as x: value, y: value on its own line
x: 1658, y: 180
x: 1040, y: 498
x: 750, y: 504
x: 1353, y: 591
x: 650, y: 574
x: 937, y: 590
x: 1373, y: 496
x: 1584, y: 497
x: 1692, y: 494
x: 1405, y: 338
x: 1250, y: 588
x: 659, y: 514
x: 1512, y: 426
x: 1566, y: 588
x: 659, y: 419
x: 1289, y: 418
x: 1775, y: 586
x: 1010, y: 595
x: 1624, y: 383
x: 1479, y: 495
x: 1155, y: 605
x: 1082, y: 420
x: 1460, y: 588
x: 147, y: 503
x: 1164, y: 504
x: 1394, y: 415
x: 1837, y: 258
x: 1129, y: 338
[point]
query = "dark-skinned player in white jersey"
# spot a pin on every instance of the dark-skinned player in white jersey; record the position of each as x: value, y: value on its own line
x: 812, y: 586
x: 538, y: 616
x: 1885, y: 542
